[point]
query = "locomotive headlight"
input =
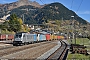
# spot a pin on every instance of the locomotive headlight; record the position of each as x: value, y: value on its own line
x: 17, y: 39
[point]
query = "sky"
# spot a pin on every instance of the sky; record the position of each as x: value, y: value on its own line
x: 80, y: 7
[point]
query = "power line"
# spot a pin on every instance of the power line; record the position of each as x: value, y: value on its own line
x: 79, y: 6
x: 42, y: 1
x: 72, y: 4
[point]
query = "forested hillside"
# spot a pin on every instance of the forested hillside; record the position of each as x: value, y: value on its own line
x: 53, y: 11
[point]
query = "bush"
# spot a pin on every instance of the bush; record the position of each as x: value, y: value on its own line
x: 88, y: 37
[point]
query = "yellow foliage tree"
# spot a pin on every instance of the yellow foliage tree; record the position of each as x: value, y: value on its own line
x: 20, y: 21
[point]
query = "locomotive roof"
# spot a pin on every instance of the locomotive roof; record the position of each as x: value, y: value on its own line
x: 21, y: 32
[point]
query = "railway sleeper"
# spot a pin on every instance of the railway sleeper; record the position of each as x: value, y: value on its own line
x: 59, y: 54
x: 63, y: 55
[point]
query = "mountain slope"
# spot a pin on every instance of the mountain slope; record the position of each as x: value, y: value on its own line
x: 53, y: 11
x: 57, y: 11
x: 10, y: 6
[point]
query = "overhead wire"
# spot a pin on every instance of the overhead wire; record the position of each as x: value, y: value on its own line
x: 42, y: 1
x: 72, y: 4
x: 79, y: 6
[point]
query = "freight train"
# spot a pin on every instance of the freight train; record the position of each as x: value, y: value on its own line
x: 23, y: 38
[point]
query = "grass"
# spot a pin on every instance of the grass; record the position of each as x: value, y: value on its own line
x: 76, y: 56
x: 81, y: 41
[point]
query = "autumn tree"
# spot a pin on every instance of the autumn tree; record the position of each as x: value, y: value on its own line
x: 14, y: 23
x: 4, y: 25
x: 20, y: 21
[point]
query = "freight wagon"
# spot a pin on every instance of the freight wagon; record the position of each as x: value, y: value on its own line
x: 48, y: 37
x: 6, y: 36
x: 42, y: 37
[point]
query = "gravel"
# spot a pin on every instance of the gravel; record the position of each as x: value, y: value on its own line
x: 31, y: 53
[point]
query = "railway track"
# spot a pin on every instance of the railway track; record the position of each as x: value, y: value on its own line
x: 59, y: 54
x: 11, y: 46
x: 11, y: 50
x: 6, y: 47
x: 31, y: 53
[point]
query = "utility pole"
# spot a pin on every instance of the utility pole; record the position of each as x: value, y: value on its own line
x: 74, y: 32
x: 23, y: 18
x: 62, y: 21
x: 0, y: 30
x: 72, y: 25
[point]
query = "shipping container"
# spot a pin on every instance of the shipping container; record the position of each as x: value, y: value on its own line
x: 48, y: 37
x: 42, y: 37
x: 58, y: 37
x: 51, y: 37
x: 35, y: 37
x: 2, y: 36
x: 10, y: 36
x: 6, y: 36
x: 62, y: 37
x: 54, y: 37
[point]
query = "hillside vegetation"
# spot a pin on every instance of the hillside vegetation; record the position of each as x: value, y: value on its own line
x: 53, y: 11
x: 56, y: 16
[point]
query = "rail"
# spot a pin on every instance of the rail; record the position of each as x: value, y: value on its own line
x: 60, y: 53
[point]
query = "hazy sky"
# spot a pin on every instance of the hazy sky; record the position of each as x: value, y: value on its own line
x: 81, y: 7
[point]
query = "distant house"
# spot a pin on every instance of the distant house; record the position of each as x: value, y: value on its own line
x: 2, y: 21
x: 32, y: 27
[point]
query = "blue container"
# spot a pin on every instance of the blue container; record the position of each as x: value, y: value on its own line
x: 35, y: 37
x: 42, y: 37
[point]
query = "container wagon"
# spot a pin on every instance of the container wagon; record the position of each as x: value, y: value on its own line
x: 6, y: 36
x: 58, y: 37
x: 2, y: 36
x: 10, y: 36
x: 42, y: 37
x: 51, y: 37
x: 48, y: 37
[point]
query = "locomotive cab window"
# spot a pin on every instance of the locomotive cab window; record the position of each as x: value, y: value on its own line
x: 23, y: 35
x: 18, y: 35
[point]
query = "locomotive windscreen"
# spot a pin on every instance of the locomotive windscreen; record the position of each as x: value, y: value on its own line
x: 18, y: 35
